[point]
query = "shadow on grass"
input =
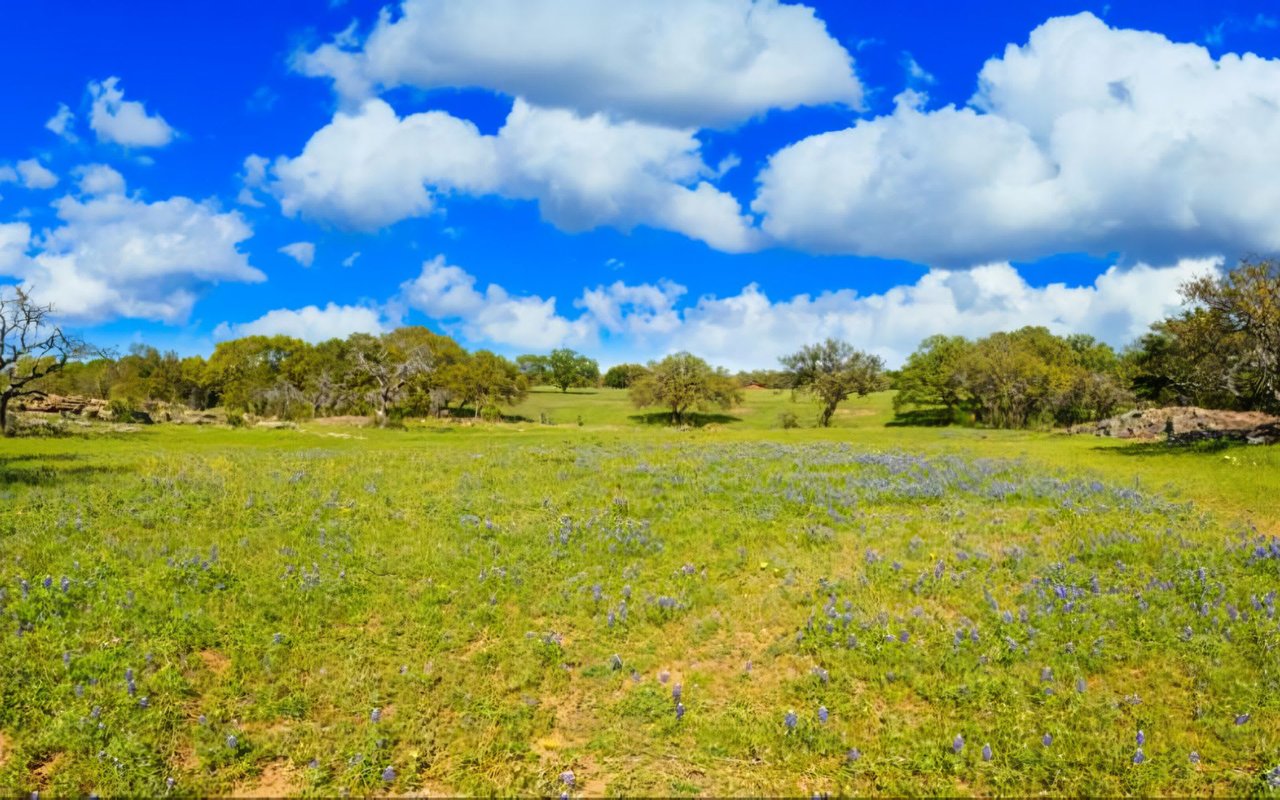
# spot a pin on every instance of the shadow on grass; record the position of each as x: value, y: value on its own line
x: 39, y: 473
x: 921, y: 418
x: 1160, y: 448
x: 693, y: 420
x: 554, y: 390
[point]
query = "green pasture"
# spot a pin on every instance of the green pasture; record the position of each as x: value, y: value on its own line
x: 472, y: 608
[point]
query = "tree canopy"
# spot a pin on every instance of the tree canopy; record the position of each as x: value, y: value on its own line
x: 683, y: 381
x: 832, y: 371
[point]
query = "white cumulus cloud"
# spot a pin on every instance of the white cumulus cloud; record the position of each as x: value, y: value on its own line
x: 124, y: 122
x: 62, y: 123
x: 674, y: 62
x: 302, y: 252
x: 35, y: 175
x: 1087, y: 138
x: 749, y: 329
x: 114, y: 256
x: 310, y: 323
x: 370, y: 168
x: 98, y: 179
x: 448, y: 293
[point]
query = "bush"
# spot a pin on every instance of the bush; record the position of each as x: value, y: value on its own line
x: 788, y: 419
x: 491, y: 413
x: 121, y: 409
x: 235, y: 419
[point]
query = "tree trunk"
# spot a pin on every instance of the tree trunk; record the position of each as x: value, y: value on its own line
x: 4, y: 416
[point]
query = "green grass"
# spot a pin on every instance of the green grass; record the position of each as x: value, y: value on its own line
x: 447, y: 574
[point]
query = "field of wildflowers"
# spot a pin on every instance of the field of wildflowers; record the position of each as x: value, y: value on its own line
x: 584, y: 612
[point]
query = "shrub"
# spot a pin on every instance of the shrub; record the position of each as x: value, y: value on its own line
x: 235, y: 419
x: 788, y: 419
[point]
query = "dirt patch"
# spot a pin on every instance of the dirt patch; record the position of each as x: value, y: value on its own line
x: 45, y: 770
x: 1187, y: 424
x: 215, y: 662
x: 4, y: 749
x: 278, y: 779
x: 346, y: 422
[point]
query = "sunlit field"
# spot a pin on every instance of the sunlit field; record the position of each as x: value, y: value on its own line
x: 580, y: 600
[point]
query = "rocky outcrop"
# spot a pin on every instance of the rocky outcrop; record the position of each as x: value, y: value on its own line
x: 58, y: 404
x: 1187, y: 424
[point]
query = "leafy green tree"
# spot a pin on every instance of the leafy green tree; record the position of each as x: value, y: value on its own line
x: 569, y: 369
x: 932, y: 376
x: 535, y: 368
x: 487, y: 380
x: 831, y: 372
x: 621, y: 376
x: 240, y: 371
x: 1240, y: 320
x: 683, y: 381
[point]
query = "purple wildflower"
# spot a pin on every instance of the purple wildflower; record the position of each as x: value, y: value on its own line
x: 853, y: 755
x: 986, y: 752
x: 677, y: 692
x: 143, y: 702
x: 48, y: 582
x: 388, y: 775
x: 823, y: 714
x: 375, y: 715
x: 1142, y: 738
x: 1046, y: 675
x: 232, y: 742
x: 65, y: 584
x: 790, y: 720
x: 277, y: 638
x: 663, y: 677
x: 566, y: 778
x: 1139, y: 757
x: 957, y: 744
x: 1242, y: 719
x: 679, y: 711
x: 1047, y: 739
x: 1080, y: 685
x: 1194, y: 758
x: 904, y: 637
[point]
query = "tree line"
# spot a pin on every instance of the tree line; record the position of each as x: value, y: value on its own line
x: 1221, y: 351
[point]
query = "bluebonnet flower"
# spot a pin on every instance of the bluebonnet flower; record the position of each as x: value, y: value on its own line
x: 823, y: 714
x: 957, y: 744
x: 65, y: 584
x: 596, y: 593
x: 388, y: 775
x: 277, y: 638
x: 232, y: 742
x: 314, y: 763
x: 679, y: 711
x: 677, y: 692
x: 79, y: 690
x: 663, y: 677
x: 1142, y: 738
x: 822, y: 674
x: 1047, y: 739
x: 853, y: 755
x: 169, y: 783
x: 986, y: 752
x: 143, y: 702
x: 615, y: 661
x: 26, y: 588
x: 48, y: 582
x: 790, y: 720
x: 203, y: 720
x: 375, y: 715
x: 1080, y: 685
x: 1046, y: 675
x: 612, y: 618
x: 566, y: 778
x: 1139, y: 756
x: 904, y: 637
x: 66, y: 658
x: 1242, y: 719
x: 1194, y: 758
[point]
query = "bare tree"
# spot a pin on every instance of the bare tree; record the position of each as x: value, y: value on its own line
x: 31, y: 347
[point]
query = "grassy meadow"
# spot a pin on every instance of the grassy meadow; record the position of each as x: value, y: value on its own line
x: 607, y: 605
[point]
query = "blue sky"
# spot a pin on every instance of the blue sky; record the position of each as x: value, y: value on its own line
x: 735, y: 178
